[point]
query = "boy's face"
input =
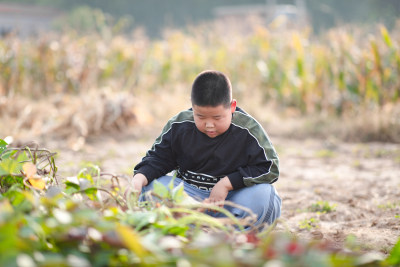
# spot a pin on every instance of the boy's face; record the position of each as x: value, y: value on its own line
x: 213, y: 121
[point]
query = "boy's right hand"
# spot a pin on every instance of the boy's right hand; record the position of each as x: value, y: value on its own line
x: 136, y: 184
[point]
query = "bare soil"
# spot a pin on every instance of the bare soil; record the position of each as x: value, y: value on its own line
x: 360, y: 182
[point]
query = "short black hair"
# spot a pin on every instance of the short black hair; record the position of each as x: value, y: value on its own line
x: 211, y: 88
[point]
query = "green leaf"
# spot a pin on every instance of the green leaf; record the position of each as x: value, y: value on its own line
x: 91, y: 192
x: 89, y: 172
x: 53, y: 259
x: 178, y: 193
x: 3, y: 146
x: 73, y: 185
x: 8, y: 240
x: 7, y: 154
x: 19, y: 199
x: 394, y: 256
x: 86, y: 216
x: 10, y: 167
x: 386, y: 37
x: 141, y: 219
x: 178, y: 229
x: 160, y: 190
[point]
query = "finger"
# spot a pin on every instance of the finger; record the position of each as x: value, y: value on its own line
x: 131, y: 190
x: 220, y: 203
x: 207, y: 202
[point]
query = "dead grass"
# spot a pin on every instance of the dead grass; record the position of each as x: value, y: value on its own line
x: 363, y: 126
x: 69, y: 117
x: 76, y: 117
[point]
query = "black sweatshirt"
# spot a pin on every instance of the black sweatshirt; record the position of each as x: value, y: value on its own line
x: 244, y: 153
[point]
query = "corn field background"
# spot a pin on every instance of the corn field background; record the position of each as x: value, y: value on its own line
x: 344, y: 82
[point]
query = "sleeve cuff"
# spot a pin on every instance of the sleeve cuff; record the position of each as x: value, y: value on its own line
x: 236, y: 180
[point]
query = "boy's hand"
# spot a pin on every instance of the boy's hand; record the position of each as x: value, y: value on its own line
x: 136, y: 184
x: 219, y: 192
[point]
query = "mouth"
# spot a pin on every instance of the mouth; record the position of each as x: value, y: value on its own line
x: 211, y: 133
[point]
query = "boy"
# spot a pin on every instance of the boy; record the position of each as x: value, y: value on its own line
x: 218, y: 151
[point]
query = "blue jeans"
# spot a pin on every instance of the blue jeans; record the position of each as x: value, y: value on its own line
x: 261, y: 199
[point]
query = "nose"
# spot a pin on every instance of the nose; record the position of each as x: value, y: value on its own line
x: 209, y: 124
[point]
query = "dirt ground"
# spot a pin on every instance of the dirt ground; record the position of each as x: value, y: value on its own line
x: 359, y: 181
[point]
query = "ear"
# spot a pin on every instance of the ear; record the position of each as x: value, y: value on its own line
x: 233, y: 105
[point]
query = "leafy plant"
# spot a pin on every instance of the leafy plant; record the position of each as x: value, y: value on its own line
x: 388, y: 206
x: 325, y: 153
x: 394, y: 257
x: 85, y: 221
x: 309, y: 224
x: 322, y: 206
x: 27, y: 166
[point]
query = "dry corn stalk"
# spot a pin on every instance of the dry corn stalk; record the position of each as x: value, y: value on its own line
x: 69, y: 116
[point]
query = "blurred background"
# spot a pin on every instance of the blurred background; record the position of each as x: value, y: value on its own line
x: 74, y: 69
x: 28, y: 16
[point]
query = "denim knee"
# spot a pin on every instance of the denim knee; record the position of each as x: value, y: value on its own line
x: 261, y: 199
x: 272, y: 207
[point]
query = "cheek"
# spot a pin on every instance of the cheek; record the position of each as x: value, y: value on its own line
x: 223, y: 125
x: 198, y: 124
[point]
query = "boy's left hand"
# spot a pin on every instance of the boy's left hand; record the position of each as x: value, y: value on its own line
x: 219, y: 192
